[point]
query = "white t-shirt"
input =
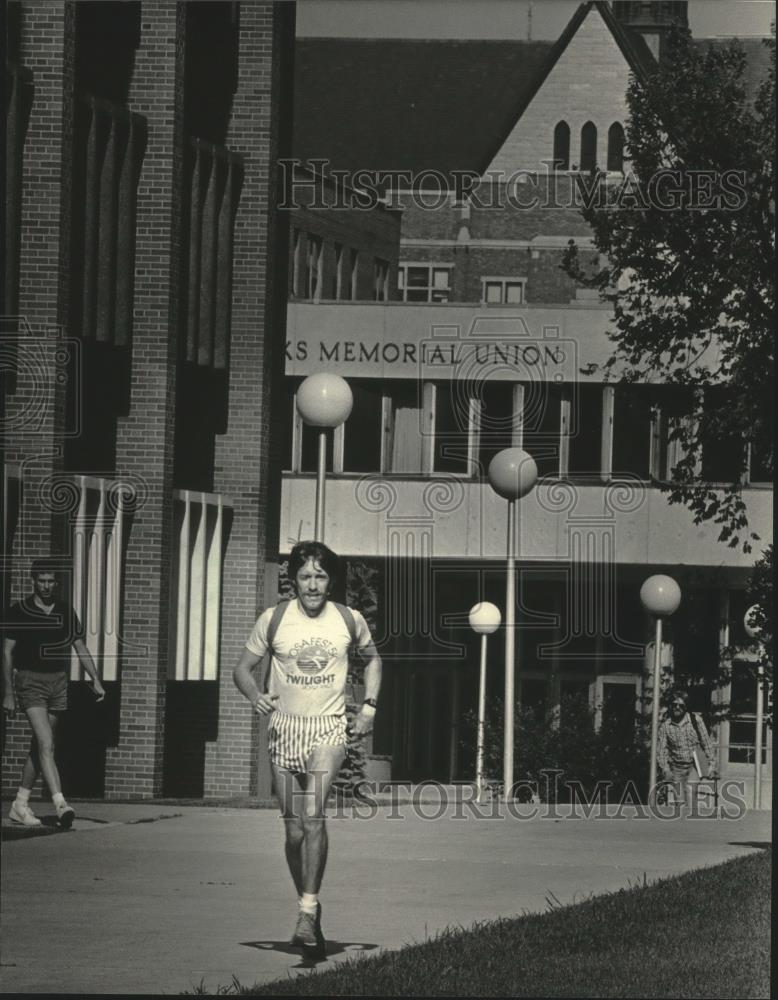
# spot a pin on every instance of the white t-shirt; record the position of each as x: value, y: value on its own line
x: 309, y: 665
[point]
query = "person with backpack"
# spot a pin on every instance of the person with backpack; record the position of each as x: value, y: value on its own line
x: 307, y: 642
x: 680, y: 736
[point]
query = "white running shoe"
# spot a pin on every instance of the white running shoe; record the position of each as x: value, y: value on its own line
x: 21, y: 813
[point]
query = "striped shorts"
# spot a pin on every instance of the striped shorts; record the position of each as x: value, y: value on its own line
x: 293, y: 738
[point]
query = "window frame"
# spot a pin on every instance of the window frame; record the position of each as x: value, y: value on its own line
x: 504, y: 281
x: 431, y: 267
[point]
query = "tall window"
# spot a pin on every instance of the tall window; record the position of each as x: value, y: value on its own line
x: 454, y: 429
x: 363, y: 429
x: 616, y: 147
x: 588, y: 147
x: 380, y: 280
x: 424, y: 282
x: 585, y: 430
x: 351, y: 289
x: 404, y: 445
x: 562, y: 146
x: 211, y: 191
x: 723, y: 455
x: 631, y: 431
x: 502, y: 291
x: 337, y: 277
x: 541, y: 425
x: 296, y: 262
x: 313, y: 268
x: 496, y: 421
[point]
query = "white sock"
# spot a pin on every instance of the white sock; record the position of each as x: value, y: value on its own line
x: 308, y: 902
x: 58, y: 799
x: 23, y: 795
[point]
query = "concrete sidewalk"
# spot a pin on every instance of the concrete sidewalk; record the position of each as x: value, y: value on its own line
x: 157, y: 898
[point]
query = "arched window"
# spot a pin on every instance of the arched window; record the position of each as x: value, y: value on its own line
x: 589, y: 146
x: 562, y: 146
x: 616, y: 147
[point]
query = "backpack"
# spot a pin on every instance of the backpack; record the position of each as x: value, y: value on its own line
x: 275, y: 620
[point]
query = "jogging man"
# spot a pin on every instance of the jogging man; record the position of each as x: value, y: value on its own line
x: 38, y: 635
x: 309, y: 640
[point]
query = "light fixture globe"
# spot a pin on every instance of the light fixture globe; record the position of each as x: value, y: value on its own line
x: 750, y: 622
x: 660, y: 595
x: 512, y: 473
x: 485, y: 618
x: 324, y: 400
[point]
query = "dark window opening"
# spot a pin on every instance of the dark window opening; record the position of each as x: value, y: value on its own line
x: 616, y: 147
x: 562, y: 146
x: 541, y: 423
x: 723, y: 452
x: 362, y: 432
x: 452, y: 428
x: 631, y: 431
x: 589, y: 147
x: 585, y: 454
x: 496, y: 421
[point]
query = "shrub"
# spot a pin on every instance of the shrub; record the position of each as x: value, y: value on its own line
x: 565, y: 741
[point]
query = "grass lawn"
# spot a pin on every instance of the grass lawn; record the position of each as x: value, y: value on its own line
x: 703, y: 934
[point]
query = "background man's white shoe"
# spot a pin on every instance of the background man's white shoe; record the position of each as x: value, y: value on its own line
x: 21, y: 813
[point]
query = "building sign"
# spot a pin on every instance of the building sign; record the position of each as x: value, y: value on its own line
x: 450, y: 342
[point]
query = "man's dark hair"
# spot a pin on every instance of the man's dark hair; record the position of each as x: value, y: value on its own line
x: 320, y: 554
x: 679, y: 694
x: 43, y: 566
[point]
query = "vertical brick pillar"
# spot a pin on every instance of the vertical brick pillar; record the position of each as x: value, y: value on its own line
x: 145, y: 438
x: 261, y: 114
x: 34, y: 405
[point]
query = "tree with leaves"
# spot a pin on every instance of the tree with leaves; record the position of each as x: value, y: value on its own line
x: 685, y: 256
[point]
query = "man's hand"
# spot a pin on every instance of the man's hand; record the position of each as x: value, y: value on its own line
x: 263, y: 705
x: 98, y: 689
x: 9, y: 705
x: 363, y: 723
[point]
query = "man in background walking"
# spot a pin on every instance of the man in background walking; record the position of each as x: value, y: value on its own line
x: 38, y: 635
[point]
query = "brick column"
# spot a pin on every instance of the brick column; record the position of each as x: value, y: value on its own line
x: 35, y: 348
x: 145, y: 438
x: 261, y: 116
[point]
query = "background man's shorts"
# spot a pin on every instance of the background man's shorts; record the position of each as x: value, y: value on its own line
x: 293, y: 738
x: 34, y: 687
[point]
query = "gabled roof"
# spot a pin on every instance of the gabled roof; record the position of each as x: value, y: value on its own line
x: 392, y: 104
x: 632, y: 47
x: 398, y: 104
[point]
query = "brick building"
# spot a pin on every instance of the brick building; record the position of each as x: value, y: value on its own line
x: 483, y: 146
x: 145, y: 296
x: 164, y: 297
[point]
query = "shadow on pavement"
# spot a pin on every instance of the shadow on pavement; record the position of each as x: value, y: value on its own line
x: 13, y: 831
x: 308, y: 961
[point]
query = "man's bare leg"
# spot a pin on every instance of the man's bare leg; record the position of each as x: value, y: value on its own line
x: 40, y: 759
x: 323, y: 767
x: 289, y: 791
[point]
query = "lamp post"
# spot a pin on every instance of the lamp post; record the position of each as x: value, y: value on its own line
x: 512, y: 474
x: 323, y: 400
x: 660, y: 596
x: 484, y: 619
x: 753, y: 633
